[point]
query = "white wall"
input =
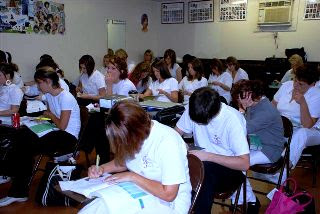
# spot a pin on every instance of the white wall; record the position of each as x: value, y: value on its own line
x: 85, y: 34
x: 238, y: 38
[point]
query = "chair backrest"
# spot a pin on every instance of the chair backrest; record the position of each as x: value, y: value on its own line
x: 287, y: 133
x: 196, y: 172
x: 84, y: 118
x: 287, y: 127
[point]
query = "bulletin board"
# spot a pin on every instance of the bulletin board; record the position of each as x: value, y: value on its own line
x: 200, y: 11
x: 312, y: 9
x: 172, y: 13
x: 233, y: 10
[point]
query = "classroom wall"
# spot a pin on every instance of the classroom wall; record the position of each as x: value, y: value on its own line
x: 239, y: 38
x: 85, y: 34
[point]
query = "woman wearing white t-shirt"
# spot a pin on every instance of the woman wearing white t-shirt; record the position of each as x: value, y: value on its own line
x: 117, y: 78
x: 171, y: 59
x: 234, y: 69
x: 194, y: 80
x: 165, y: 86
x: 140, y: 76
x: 10, y: 94
x: 148, y: 154
x: 220, y: 80
x: 299, y: 101
x: 92, y: 84
x: 64, y: 112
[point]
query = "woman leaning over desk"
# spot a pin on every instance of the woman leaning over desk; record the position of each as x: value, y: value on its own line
x: 165, y: 86
x: 149, y: 154
x: 64, y: 112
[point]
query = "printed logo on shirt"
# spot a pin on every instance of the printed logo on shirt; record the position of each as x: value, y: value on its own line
x: 216, y: 139
x: 146, y: 162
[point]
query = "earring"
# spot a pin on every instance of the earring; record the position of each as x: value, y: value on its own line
x: 8, y: 82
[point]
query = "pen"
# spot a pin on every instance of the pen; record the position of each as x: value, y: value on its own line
x: 97, y: 161
x: 42, y: 118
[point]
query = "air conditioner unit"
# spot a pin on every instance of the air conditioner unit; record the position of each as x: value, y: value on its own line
x: 274, y: 13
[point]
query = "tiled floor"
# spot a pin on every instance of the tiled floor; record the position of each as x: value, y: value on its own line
x: 302, y: 176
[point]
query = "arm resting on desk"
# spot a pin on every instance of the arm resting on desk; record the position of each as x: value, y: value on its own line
x: 9, y: 112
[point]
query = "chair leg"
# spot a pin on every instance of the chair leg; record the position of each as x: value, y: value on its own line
x: 236, y: 200
x: 314, y: 171
x: 35, y: 169
x: 244, y: 203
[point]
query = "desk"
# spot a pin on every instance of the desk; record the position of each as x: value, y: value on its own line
x: 83, y: 201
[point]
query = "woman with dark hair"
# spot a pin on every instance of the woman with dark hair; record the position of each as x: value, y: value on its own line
x: 164, y: 86
x: 170, y: 58
x: 142, y: 157
x: 92, y: 84
x: 140, y: 76
x: 233, y: 67
x: 144, y: 22
x: 5, y: 57
x: 299, y: 100
x: 194, y: 80
x: 64, y: 112
x: 220, y: 80
x: 263, y: 122
x: 148, y: 56
x: 117, y: 78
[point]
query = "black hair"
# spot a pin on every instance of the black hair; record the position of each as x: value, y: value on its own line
x: 198, y: 68
x: 5, y: 57
x: 306, y: 74
x: 204, y: 104
x: 88, y: 62
x: 163, y: 68
x: 45, y: 56
x: 143, y: 18
x: 47, y: 62
x: 45, y: 73
x: 6, y: 68
x: 172, y: 55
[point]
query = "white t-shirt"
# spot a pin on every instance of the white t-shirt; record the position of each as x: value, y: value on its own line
x: 191, y: 86
x: 141, y: 88
x: 123, y: 87
x: 287, y: 76
x: 17, y: 80
x: 317, y: 84
x: 33, y: 90
x: 224, y: 78
x: 63, y: 84
x: 173, y: 71
x: 240, y: 75
x: 10, y: 95
x: 291, y: 109
x: 92, y: 84
x: 168, y: 85
x: 103, y: 70
x: 163, y: 158
x: 225, y: 134
x: 66, y: 101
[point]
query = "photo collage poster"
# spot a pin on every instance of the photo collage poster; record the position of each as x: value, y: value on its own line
x: 200, y: 11
x: 312, y: 9
x: 172, y: 13
x: 30, y: 16
x: 233, y: 10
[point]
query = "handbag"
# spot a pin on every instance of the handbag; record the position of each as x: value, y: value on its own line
x: 168, y: 116
x: 46, y: 194
x: 282, y: 203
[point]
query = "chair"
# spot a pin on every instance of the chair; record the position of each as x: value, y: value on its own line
x: 228, y: 193
x: 196, y: 171
x: 84, y: 116
x: 281, y: 164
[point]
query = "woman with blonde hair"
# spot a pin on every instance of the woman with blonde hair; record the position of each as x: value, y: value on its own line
x: 295, y: 61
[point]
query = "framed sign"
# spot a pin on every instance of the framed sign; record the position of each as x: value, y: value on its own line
x: 312, y: 9
x: 200, y: 11
x: 233, y: 10
x: 172, y: 13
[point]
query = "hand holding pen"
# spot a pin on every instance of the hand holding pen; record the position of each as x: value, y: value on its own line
x: 95, y: 171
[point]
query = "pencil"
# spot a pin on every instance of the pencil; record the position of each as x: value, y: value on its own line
x: 97, y: 161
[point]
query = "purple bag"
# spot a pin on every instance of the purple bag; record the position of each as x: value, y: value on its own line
x: 283, y: 204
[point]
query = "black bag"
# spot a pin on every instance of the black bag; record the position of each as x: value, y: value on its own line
x: 46, y: 194
x: 169, y: 116
x: 8, y: 137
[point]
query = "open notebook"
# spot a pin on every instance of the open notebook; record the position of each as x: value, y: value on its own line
x: 125, y: 197
x: 40, y: 128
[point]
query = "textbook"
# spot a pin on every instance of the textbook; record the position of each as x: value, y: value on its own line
x: 40, y: 127
x: 125, y: 197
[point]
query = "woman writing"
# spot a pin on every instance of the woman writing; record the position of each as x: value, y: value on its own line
x: 140, y: 76
x: 165, y: 86
x: 142, y: 157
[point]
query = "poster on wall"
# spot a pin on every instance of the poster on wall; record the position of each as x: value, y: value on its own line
x: 312, y: 9
x: 172, y: 13
x: 29, y: 16
x: 200, y: 11
x: 233, y: 10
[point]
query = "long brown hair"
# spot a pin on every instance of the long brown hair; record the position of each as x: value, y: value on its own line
x: 142, y: 67
x: 127, y: 126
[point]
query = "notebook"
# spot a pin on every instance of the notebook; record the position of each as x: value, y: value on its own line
x: 40, y: 128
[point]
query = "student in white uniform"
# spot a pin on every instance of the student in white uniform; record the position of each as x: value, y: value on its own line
x: 141, y: 76
x: 220, y: 80
x: 221, y: 131
x: 234, y: 69
x: 171, y: 59
x: 194, y: 80
x: 151, y: 155
x: 165, y: 86
x: 299, y: 101
x: 117, y: 78
x: 92, y: 84
x: 295, y: 61
x: 64, y: 112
